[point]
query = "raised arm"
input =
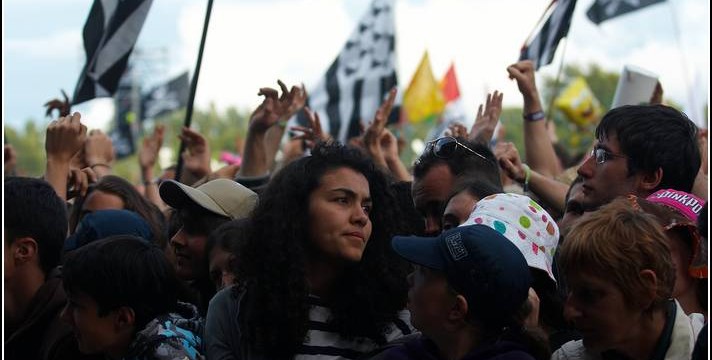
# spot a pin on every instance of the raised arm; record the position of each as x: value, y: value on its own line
x: 65, y: 137
x: 539, y: 151
x: 269, y: 113
x: 549, y: 190
x: 99, y: 153
x: 147, y: 158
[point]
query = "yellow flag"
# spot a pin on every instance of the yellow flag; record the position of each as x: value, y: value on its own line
x: 423, y: 100
x: 579, y: 104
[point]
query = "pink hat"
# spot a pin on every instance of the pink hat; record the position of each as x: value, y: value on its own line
x: 687, y: 204
x: 523, y: 222
x: 683, y: 210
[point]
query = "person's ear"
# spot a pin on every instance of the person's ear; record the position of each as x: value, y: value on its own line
x: 24, y: 250
x: 459, y: 309
x: 124, y: 318
x: 650, y: 282
x: 650, y: 181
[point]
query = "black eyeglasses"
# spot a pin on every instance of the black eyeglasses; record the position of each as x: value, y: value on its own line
x: 602, y: 155
x: 445, y: 147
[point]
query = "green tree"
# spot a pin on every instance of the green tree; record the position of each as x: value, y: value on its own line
x: 223, y: 129
x: 29, y: 146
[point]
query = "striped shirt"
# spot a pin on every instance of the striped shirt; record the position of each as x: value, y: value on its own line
x: 323, y: 343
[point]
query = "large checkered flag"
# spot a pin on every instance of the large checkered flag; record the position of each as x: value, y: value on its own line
x: 359, y: 79
x: 542, y: 47
x: 110, y: 33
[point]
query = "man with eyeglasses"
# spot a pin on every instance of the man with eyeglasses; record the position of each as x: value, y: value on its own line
x: 445, y: 162
x: 639, y: 150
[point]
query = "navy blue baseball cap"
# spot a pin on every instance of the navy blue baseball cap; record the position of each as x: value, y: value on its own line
x: 101, y: 224
x: 479, y: 263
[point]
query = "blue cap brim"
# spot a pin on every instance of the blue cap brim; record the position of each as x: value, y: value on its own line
x: 423, y: 251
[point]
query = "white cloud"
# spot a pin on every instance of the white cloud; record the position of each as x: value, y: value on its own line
x: 58, y: 45
x: 252, y: 44
x: 97, y: 113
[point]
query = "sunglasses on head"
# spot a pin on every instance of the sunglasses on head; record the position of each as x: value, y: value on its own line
x: 446, y: 147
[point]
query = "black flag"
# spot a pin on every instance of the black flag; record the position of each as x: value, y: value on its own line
x: 602, y: 10
x: 542, y: 47
x: 110, y: 33
x: 165, y: 98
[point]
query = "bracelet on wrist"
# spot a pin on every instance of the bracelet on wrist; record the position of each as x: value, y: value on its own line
x: 100, y: 164
x: 535, y: 116
x: 527, y: 176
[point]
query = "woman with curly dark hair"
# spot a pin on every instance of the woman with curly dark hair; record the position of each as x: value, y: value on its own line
x: 317, y: 275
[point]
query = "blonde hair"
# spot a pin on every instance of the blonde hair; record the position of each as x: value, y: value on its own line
x: 618, y: 241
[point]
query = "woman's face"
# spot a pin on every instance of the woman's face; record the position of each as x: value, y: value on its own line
x: 598, y: 310
x: 339, y: 223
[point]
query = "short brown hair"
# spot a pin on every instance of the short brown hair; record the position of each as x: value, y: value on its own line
x: 619, y: 241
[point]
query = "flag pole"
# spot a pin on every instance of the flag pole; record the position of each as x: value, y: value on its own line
x: 538, y: 23
x: 683, y: 58
x: 193, y: 86
x: 558, y: 80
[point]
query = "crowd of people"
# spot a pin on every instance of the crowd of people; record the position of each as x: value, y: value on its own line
x: 313, y: 249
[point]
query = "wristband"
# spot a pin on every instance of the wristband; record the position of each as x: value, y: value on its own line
x: 527, y: 176
x: 100, y: 164
x: 535, y: 116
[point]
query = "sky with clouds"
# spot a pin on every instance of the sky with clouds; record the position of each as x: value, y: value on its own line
x: 252, y: 43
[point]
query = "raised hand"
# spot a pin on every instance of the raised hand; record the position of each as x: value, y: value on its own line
x: 98, y: 149
x: 196, y: 157
x: 79, y: 180
x: 389, y: 145
x: 148, y: 154
x: 313, y: 133
x: 509, y: 161
x: 457, y: 130
x: 523, y: 73
x: 294, y: 100
x: 486, y: 121
x: 65, y: 137
x: 275, y: 108
x: 372, y: 135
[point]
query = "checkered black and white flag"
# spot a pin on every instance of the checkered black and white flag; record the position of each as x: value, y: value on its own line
x: 359, y: 79
x: 110, y: 33
x: 542, y: 47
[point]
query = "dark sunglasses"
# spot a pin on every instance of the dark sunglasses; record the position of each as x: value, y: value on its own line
x: 446, y: 147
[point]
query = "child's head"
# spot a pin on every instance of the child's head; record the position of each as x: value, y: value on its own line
x: 115, y: 286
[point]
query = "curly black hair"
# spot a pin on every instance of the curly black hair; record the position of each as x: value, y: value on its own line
x: 364, y: 299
